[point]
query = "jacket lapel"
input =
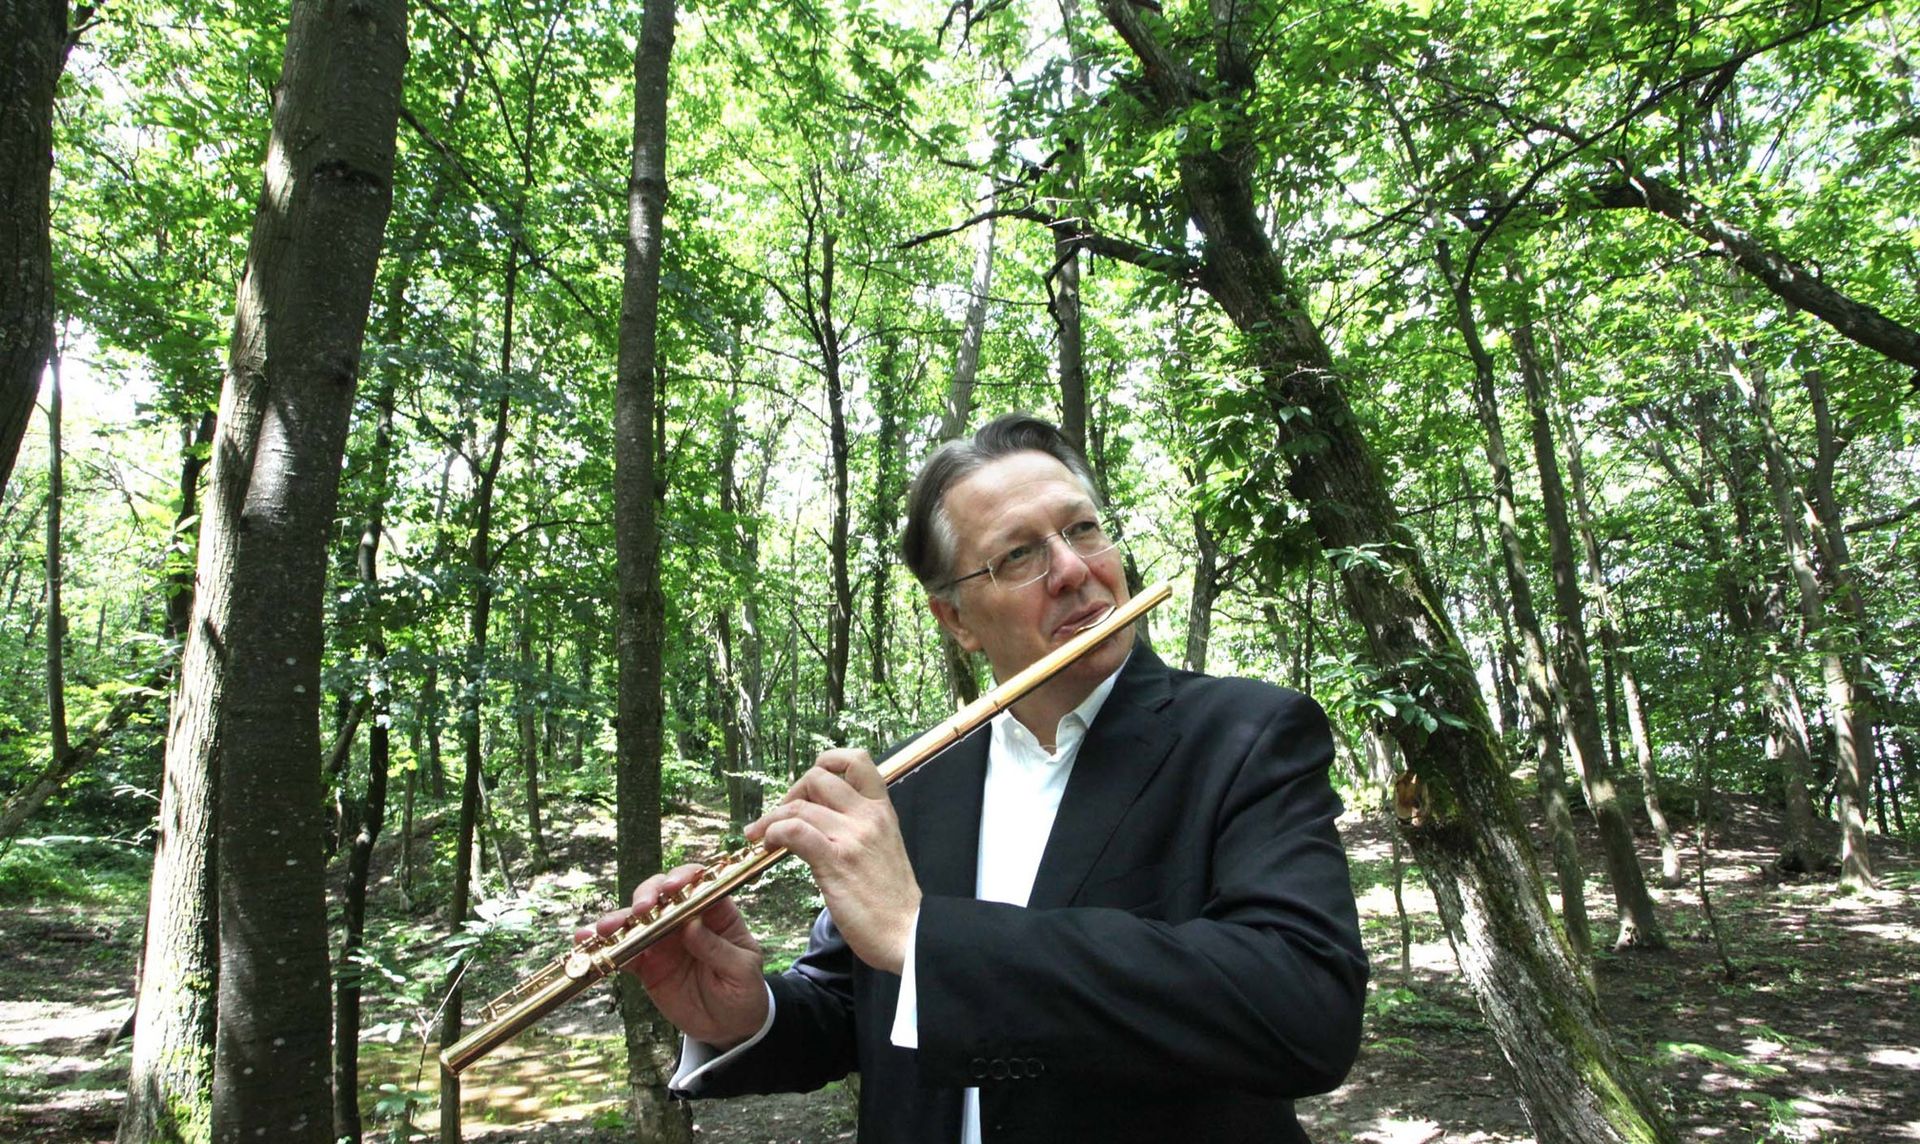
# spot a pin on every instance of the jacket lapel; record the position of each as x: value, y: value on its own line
x: 945, y: 795
x: 1126, y: 745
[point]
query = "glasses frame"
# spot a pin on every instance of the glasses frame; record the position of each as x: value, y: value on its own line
x: 1045, y: 544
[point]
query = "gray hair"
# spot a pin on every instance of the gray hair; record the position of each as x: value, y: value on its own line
x: 928, y: 543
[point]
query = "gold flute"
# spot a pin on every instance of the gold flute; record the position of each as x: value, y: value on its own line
x: 571, y: 974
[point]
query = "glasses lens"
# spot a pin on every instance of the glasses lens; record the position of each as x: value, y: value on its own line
x: 1031, y: 562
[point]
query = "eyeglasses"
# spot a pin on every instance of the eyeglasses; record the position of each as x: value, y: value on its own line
x: 1024, y: 563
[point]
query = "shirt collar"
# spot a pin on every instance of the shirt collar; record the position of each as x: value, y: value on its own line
x: 1009, y: 731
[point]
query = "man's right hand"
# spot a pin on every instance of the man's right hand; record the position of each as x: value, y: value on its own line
x: 706, y: 976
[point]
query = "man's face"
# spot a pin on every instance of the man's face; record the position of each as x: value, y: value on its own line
x: 1015, y: 500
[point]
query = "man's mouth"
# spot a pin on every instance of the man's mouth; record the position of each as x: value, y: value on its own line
x: 1083, y: 619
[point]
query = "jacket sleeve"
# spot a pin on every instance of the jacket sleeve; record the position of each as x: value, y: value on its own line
x: 1253, y: 976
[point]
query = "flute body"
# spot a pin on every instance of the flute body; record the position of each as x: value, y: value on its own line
x: 572, y: 974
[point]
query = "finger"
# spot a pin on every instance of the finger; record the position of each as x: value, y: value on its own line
x: 857, y: 770
x: 832, y: 762
x: 610, y: 922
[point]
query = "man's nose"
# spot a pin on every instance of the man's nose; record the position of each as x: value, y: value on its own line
x: 1066, y: 569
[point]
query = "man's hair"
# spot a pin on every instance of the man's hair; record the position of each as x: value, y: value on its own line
x: 928, y: 542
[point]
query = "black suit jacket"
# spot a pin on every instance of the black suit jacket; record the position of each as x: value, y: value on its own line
x: 1189, y: 960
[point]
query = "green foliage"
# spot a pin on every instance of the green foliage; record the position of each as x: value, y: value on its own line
x: 73, y: 870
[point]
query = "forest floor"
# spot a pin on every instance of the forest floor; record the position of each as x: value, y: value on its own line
x: 1814, y: 1035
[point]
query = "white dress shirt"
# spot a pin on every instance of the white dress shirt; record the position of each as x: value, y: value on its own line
x: 1019, y: 801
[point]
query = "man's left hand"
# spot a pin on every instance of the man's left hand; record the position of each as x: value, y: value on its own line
x: 838, y: 819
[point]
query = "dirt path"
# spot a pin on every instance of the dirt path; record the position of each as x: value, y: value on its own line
x: 1816, y: 1035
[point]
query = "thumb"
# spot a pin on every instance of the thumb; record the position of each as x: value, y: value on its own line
x: 704, y: 945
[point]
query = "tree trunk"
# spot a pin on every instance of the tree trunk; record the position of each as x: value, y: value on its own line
x: 473, y: 683
x: 1752, y: 616
x: 529, y: 723
x: 1206, y: 589
x: 1066, y: 252
x: 889, y: 485
x: 247, y: 721
x: 1830, y: 536
x: 966, y: 363
x: 33, y: 51
x: 1614, y: 642
x: 1474, y: 847
x: 840, y: 617
x: 353, y: 907
x: 962, y: 678
x: 1852, y: 751
x: 1639, y: 924
x: 640, y: 626
x: 195, y: 451
x: 1544, y: 697
x: 59, y: 747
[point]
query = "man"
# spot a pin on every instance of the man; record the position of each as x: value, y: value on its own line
x: 1120, y: 913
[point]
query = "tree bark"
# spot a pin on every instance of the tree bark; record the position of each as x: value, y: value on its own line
x: 33, y: 51
x: 1573, y: 1083
x: 641, y: 623
x: 1639, y: 924
x: 1782, y: 276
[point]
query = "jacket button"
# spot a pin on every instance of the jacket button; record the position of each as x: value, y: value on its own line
x: 998, y: 1070
x: 979, y: 1068
x: 1036, y: 1066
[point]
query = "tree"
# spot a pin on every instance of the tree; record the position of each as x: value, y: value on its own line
x: 640, y: 621
x: 1573, y: 1083
x: 247, y: 720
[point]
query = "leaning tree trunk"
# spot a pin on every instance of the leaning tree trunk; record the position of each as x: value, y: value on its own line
x: 1613, y: 641
x: 33, y: 50
x: 1473, y: 844
x: 1853, y: 750
x: 1639, y: 924
x: 1544, y: 698
x: 248, y: 717
x: 640, y: 625
x: 1791, y: 282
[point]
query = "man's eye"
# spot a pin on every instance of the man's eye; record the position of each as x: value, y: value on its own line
x: 1017, y: 556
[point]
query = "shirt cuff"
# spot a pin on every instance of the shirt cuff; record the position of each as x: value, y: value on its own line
x: 906, y: 1011
x: 696, y: 1057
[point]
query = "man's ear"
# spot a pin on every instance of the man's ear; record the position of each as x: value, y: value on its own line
x: 949, y: 616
